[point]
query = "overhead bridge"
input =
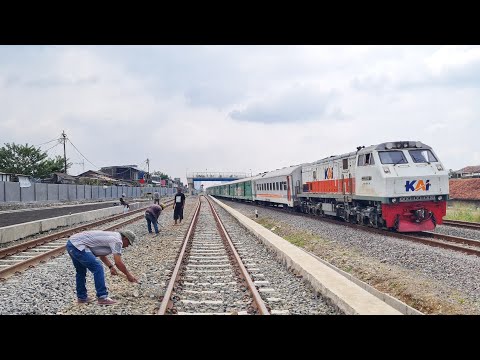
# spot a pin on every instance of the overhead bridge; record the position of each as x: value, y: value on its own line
x: 213, y: 176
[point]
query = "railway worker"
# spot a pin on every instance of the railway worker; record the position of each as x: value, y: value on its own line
x: 151, y: 215
x: 256, y: 213
x: 178, y: 205
x: 156, y: 198
x: 85, y: 247
x: 126, y: 207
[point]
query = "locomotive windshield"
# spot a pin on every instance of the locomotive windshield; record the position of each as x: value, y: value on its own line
x: 422, y: 156
x: 392, y: 157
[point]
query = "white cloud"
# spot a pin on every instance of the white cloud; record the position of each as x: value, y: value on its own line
x: 448, y: 57
x: 236, y: 108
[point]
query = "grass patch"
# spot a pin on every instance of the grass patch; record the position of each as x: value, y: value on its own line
x: 298, y: 238
x: 463, y: 213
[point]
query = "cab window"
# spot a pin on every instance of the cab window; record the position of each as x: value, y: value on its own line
x: 365, y: 159
x: 392, y: 157
x: 422, y: 156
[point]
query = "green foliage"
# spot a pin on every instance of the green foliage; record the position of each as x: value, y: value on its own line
x: 29, y: 160
x: 161, y: 174
x: 463, y: 213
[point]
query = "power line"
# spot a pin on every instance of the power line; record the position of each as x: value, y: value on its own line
x: 46, y: 142
x: 52, y: 147
x: 82, y: 154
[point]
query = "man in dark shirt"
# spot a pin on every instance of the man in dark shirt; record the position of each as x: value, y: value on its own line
x: 178, y: 205
x: 151, y: 215
x: 125, y: 205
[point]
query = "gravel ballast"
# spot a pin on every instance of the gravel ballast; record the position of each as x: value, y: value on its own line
x: 432, y: 280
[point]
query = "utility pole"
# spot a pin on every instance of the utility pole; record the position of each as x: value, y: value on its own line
x: 64, y: 151
x: 148, y: 171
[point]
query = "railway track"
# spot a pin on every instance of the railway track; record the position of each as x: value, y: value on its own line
x: 428, y: 238
x: 462, y: 224
x: 444, y: 241
x: 20, y: 257
x: 209, y: 277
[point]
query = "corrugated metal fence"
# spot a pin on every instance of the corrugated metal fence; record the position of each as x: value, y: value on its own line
x: 12, y: 192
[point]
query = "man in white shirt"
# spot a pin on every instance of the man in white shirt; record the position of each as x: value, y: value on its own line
x: 85, y: 247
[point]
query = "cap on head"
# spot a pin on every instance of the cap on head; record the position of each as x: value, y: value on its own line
x: 130, y: 235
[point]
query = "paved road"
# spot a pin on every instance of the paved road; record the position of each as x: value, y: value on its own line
x: 18, y: 217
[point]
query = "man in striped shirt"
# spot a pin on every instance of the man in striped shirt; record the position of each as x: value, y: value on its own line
x: 85, y: 247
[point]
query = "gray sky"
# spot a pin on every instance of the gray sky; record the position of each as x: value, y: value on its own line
x: 239, y: 108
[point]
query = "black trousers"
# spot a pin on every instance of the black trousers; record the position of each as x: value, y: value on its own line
x: 178, y: 213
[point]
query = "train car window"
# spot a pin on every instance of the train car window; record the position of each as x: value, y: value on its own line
x: 422, y: 156
x: 392, y: 157
x: 369, y: 159
x: 361, y: 160
x: 284, y: 185
x: 314, y: 175
x: 345, y: 164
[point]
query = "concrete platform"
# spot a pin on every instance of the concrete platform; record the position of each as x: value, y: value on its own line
x: 352, y: 297
x: 20, y: 231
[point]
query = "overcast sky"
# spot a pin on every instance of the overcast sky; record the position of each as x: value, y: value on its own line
x: 238, y: 108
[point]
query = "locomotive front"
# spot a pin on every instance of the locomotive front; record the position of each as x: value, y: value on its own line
x: 415, y: 185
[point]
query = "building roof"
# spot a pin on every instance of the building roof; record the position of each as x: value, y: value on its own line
x: 469, y: 170
x: 64, y: 176
x: 97, y: 175
x: 465, y: 189
x: 4, y: 173
x: 134, y: 167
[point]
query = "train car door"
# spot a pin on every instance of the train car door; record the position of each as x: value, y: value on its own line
x: 345, y: 176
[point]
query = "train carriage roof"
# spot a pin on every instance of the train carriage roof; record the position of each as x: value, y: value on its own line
x: 279, y: 172
x: 266, y: 175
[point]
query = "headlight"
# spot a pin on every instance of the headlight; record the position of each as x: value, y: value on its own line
x: 394, y: 200
x: 439, y: 167
x: 386, y: 170
x: 440, y: 197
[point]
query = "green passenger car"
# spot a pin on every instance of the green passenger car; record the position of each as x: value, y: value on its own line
x: 238, y: 189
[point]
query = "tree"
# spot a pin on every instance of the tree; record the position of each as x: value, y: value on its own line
x: 29, y: 160
x: 162, y: 175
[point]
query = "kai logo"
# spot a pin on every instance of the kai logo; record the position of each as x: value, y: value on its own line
x: 410, y: 185
x: 329, y: 173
